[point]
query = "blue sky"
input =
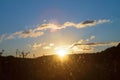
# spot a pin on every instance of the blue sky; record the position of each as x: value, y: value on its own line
x: 23, y: 15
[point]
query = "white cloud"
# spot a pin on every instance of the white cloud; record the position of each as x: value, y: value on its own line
x: 2, y: 37
x: 81, y: 41
x: 24, y: 34
x: 82, y: 49
x: 92, y: 37
x: 42, y: 46
x: 90, y: 47
x: 30, y: 34
x: 86, y: 40
x: 44, y: 20
x: 35, y: 45
x: 38, y: 31
x: 84, y: 24
x: 99, y: 44
x: 10, y: 37
x: 103, y: 44
x: 51, y: 44
x: 46, y: 47
x: 86, y: 46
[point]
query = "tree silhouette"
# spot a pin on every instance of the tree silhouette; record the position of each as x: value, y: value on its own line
x: 24, y: 54
x: 33, y: 55
x: 17, y: 53
x: 2, y: 52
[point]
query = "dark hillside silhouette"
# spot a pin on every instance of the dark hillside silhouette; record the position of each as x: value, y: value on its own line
x: 104, y: 65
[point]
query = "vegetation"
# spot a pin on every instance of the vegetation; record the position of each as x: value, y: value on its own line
x: 2, y: 52
x: 97, y: 66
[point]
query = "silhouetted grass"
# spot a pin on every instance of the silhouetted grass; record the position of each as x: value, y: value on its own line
x: 104, y: 65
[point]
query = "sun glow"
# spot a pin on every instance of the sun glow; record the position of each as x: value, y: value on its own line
x: 61, y: 52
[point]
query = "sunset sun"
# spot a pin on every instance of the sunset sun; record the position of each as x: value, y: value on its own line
x: 61, y: 52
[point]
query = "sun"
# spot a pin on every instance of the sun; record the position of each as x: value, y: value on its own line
x: 61, y: 52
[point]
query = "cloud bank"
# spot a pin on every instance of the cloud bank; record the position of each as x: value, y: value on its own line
x: 99, y: 44
x: 39, y: 30
x: 82, y: 46
x: 88, y: 46
x: 24, y: 34
x: 88, y: 23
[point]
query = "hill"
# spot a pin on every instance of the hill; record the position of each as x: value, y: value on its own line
x: 97, y: 66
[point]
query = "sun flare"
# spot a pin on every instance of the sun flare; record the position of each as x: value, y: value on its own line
x: 61, y: 52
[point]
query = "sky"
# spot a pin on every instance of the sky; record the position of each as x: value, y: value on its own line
x: 42, y: 26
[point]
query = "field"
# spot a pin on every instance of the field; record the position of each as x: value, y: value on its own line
x: 96, y: 66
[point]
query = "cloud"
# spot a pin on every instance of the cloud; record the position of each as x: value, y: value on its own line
x: 82, y: 46
x: 31, y: 34
x: 81, y: 41
x: 88, y: 22
x: 24, y: 34
x: 46, y: 47
x: 47, y: 26
x: 51, y: 44
x: 90, y: 47
x: 2, y: 37
x: 42, y: 46
x: 39, y: 30
x: 83, y: 24
x: 35, y: 45
x: 98, y: 44
x: 82, y: 49
x: 92, y: 37
x: 86, y: 40
x: 87, y: 46
x: 9, y: 37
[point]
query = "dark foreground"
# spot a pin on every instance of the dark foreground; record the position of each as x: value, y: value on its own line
x: 99, y: 66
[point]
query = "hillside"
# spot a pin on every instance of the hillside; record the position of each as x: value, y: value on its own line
x: 97, y: 66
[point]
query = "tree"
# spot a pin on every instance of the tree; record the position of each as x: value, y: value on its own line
x: 24, y: 54
x: 2, y: 52
x: 17, y: 52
